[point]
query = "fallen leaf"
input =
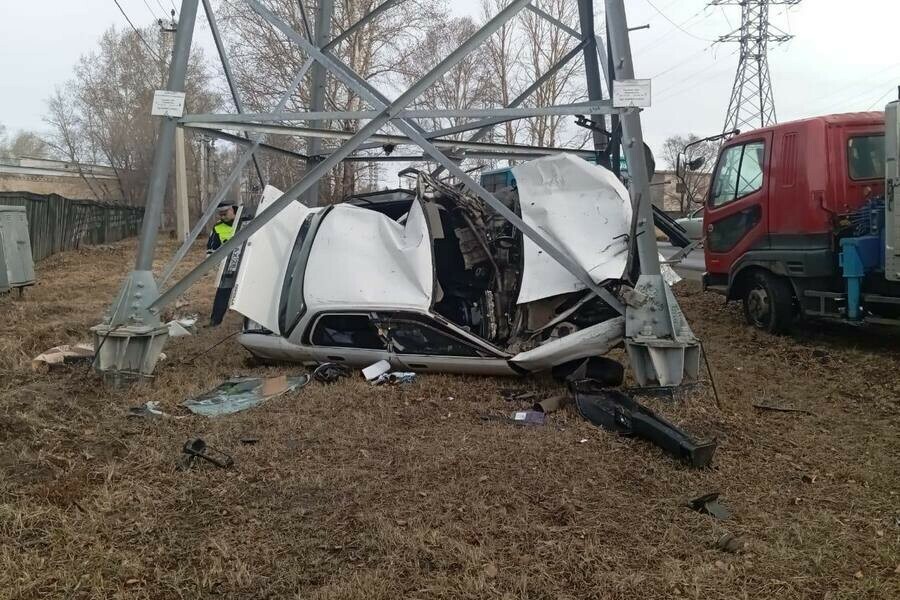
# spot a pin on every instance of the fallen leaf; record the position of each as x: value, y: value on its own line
x: 491, y: 570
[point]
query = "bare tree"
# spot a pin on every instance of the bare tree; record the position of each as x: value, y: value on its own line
x: 701, y: 155
x: 545, y: 45
x: 504, y: 51
x: 22, y: 143
x: 102, y: 116
x: 466, y: 85
x: 265, y: 61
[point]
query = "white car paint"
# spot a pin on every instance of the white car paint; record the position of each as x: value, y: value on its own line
x: 584, y: 210
x: 258, y: 283
x: 363, y: 259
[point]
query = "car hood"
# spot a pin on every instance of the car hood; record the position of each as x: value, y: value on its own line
x: 583, y: 210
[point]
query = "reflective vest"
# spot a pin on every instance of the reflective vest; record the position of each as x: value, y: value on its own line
x: 224, y: 231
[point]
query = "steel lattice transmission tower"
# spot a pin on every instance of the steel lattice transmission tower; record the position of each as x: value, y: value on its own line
x: 752, y: 104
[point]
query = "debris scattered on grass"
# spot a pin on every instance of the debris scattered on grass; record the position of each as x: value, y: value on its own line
x: 240, y: 393
x: 330, y: 372
x: 63, y: 355
x: 520, y: 417
x: 149, y: 408
x: 789, y: 409
x: 181, y: 327
x: 614, y: 411
x: 551, y: 404
x: 601, y: 369
x: 197, y: 448
x: 375, y: 370
x: 394, y: 378
x: 517, y: 395
x: 709, y: 504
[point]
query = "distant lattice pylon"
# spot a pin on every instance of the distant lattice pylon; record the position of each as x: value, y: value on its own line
x: 752, y: 104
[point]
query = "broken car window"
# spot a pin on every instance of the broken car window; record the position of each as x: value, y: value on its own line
x: 411, y: 337
x: 347, y: 331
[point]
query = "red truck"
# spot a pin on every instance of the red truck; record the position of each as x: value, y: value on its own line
x: 795, y: 221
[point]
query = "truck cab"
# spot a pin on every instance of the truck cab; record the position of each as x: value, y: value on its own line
x: 781, y: 200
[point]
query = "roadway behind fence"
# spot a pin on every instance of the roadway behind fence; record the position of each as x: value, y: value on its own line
x: 56, y: 223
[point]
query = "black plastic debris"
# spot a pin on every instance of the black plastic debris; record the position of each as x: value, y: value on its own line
x: 709, y: 504
x: 614, y: 411
x: 600, y: 369
x: 196, y: 448
x: 330, y: 372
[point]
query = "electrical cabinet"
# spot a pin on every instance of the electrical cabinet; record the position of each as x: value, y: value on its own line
x: 15, y: 247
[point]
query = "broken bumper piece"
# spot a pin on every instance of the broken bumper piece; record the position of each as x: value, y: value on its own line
x: 614, y: 411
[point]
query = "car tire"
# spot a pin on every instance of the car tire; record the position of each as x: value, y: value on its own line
x: 768, y: 302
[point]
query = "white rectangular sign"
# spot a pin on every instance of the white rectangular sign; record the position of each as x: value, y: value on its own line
x: 631, y: 93
x: 167, y: 104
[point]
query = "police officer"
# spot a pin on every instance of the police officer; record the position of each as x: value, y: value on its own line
x: 224, y: 229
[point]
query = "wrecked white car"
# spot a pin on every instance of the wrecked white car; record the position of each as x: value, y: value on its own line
x: 433, y: 280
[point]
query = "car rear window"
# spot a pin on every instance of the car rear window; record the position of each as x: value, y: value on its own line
x: 865, y: 157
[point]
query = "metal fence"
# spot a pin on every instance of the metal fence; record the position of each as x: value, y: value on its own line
x: 56, y: 223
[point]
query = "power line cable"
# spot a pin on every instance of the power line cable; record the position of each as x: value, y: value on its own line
x: 136, y: 30
x: 657, y: 40
x: 152, y: 12
x: 703, y: 71
x: 682, y: 62
x: 880, y: 98
x: 679, y: 27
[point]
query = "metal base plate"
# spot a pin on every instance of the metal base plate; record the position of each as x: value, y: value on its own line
x: 662, y: 348
x: 128, y: 350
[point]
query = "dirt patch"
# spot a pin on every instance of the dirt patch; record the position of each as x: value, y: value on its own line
x: 362, y: 492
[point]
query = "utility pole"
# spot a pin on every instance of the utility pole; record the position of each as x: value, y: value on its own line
x: 317, y: 94
x: 182, y: 218
x: 752, y: 104
x: 204, y: 172
x: 132, y: 336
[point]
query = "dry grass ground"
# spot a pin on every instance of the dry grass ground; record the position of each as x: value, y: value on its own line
x: 361, y: 492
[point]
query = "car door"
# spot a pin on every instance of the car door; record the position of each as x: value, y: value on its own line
x: 349, y: 338
x: 735, y: 216
x: 420, y: 343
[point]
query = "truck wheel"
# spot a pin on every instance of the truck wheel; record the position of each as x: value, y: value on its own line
x: 768, y: 302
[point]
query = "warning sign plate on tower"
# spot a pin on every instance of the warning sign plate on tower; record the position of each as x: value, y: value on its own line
x: 631, y: 93
x: 167, y: 104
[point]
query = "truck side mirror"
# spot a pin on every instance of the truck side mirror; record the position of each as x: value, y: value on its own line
x: 696, y: 163
x: 680, y: 166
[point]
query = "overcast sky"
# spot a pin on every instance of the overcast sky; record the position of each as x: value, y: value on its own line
x: 843, y: 57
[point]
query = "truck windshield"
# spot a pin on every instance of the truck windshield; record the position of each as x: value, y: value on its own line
x: 865, y: 157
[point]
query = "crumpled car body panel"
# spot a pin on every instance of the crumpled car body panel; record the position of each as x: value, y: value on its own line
x: 368, y: 271
x: 583, y: 210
